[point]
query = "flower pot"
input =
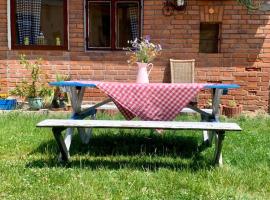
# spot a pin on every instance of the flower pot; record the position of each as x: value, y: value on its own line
x: 35, y: 103
x: 142, y: 75
x: 232, y: 111
x: 68, y: 108
x: 62, y: 103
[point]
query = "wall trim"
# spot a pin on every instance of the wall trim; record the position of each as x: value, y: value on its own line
x: 8, y: 25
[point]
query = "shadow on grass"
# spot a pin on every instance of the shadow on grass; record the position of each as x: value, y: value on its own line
x: 117, y: 163
x: 116, y: 151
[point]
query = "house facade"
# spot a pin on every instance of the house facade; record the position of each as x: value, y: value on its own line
x: 85, y: 38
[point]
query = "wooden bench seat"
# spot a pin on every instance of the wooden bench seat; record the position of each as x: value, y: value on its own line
x: 113, y: 107
x: 58, y: 125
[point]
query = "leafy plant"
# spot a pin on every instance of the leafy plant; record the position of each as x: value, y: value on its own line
x: 209, y: 103
x: 63, y: 77
x: 59, y: 96
x: 142, y: 50
x: 36, y: 87
x: 249, y: 4
x: 232, y: 103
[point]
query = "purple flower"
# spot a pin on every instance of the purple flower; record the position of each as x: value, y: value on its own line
x: 147, y: 37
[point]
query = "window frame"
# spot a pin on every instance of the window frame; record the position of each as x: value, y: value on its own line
x: 218, y: 38
x: 15, y: 46
x: 113, y: 28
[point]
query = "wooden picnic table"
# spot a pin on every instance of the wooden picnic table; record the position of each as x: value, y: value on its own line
x: 121, y: 94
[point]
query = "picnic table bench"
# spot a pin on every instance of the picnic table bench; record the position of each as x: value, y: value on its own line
x: 155, y: 104
x: 58, y: 125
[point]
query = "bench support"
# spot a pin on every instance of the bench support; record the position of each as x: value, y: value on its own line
x: 61, y: 143
x: 64, y: 156
x: 220, y: 135
x: 76, y: 97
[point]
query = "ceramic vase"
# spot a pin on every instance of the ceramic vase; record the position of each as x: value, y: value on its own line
x: 143, y: 72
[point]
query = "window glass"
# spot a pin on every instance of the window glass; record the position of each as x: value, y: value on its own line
x: 111, y: 23
x: 127, y: 23
x: 209, y: 38
x: 52, y: 25
x: 39, y: 22
x: 99, y: 24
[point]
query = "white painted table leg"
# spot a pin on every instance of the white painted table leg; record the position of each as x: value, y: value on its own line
x: 208, y: 137
x: 76, y: 98
x: 68, y: 137
x: 88, y: 132
x: 67, y: 141
x: 218, y: 147
x: 216, y: 95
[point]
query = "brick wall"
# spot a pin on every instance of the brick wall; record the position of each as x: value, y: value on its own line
x: 3, y: 46
x: 244, y: 57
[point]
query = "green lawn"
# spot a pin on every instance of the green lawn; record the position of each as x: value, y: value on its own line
x: 133, y: 164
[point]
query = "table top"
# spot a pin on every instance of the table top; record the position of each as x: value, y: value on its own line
x: 148, y: 101
x: 79, y: 83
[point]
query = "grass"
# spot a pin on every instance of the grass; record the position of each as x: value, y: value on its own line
x: 132, y: 164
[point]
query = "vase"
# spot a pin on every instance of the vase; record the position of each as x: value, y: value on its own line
x: 143, y: 73
x: 35, y: 103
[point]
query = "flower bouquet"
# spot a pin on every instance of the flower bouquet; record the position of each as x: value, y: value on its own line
x: 143, y: 52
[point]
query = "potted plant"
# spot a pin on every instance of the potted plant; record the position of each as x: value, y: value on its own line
x: 249, y: 4
x: 35, y: 89
x: 60, y: 96
x: 143, y: 52
x: 232, y: 109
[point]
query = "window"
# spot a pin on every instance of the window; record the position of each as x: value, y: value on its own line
x: 209, y: 37
x: 39, y: 24
x: 110, y: 24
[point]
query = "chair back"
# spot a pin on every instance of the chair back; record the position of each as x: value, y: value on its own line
x: 182, y: 71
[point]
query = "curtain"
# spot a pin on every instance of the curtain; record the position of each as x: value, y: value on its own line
x: 133, y: 15
x: 28, y: 20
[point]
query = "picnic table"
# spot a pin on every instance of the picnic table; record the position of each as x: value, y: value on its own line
x: 160, y: 102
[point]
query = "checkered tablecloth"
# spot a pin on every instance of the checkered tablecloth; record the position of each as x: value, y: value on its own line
x: 156, y: 101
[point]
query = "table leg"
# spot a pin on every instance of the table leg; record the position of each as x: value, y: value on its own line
x: 76, y: 98
x: 89, y: 112
x: 87, y: 132
x: 64, y: 153
x: 216, y: 95
x: 68, y: 137
x: 218, y: 146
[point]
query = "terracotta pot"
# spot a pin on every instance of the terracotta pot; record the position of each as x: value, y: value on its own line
x: 232, y: 111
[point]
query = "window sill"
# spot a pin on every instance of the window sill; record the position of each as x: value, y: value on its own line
x: 104, y: 51
x: 46, y: 48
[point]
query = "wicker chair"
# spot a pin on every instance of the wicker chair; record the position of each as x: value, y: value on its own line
x: 182, y: 71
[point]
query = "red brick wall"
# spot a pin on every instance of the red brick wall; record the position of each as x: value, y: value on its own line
x: 3, y: 46
x: 244, y: 57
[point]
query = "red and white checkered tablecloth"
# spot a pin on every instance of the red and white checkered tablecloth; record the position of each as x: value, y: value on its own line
x: 154, y: 101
